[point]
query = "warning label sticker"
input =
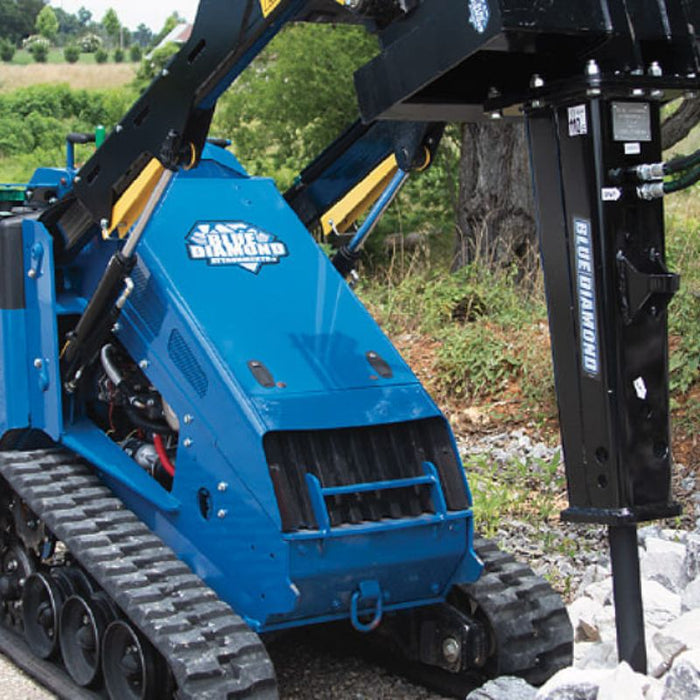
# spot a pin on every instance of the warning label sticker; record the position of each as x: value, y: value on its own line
x: 578, y: 121
x: 268, y: 6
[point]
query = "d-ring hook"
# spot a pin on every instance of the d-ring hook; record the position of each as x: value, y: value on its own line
x: 368, y: 591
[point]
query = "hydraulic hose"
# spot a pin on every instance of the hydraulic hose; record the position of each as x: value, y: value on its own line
x: 682, y: 163
x: 686, y: 180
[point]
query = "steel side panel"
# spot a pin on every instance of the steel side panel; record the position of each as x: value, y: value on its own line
x: 41, y: 359
x: 14, y: 392
x: 297, y: 316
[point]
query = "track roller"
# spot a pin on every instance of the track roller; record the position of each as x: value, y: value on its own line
x: 130, y: 664
x: 82, y: 626
x: 41, y: 604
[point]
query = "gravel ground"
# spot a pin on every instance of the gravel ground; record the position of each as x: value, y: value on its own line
x: 15, y: 684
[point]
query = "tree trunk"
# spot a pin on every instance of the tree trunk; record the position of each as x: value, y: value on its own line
x: 680, y: 123
x: 495, y: 218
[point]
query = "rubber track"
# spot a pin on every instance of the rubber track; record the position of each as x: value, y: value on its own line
x: 210, y: 650
x: 532, y: 630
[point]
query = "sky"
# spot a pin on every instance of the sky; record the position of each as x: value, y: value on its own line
x: 133, y: 12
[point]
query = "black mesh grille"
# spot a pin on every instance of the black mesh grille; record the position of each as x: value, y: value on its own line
x: 350, y: 456
x: 146, y: 299
x: 186, y: 362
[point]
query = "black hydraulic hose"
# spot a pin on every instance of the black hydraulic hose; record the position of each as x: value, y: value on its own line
x: 149, y: 425
x: 683, y: 182
x: 681, y: 163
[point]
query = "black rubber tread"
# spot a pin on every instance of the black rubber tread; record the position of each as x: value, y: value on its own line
x: 531, y: 629
x: 210, y: 650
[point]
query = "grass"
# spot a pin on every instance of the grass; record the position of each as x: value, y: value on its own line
x: 81, y: 75
x: 24, y: 58
x: 532, y: 491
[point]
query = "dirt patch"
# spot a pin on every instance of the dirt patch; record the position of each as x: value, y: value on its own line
x: 77, y: 75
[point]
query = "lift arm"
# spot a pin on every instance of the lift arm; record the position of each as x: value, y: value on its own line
x: 171, y: 120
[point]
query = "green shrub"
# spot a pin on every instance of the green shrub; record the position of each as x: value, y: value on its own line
x: 90, y: 43
x: 119, y: 55
x: 135, y: 53
x: 71, y: 53
x: 101, y: 56
x: 7, y: 50
x: 153, y: 64
x: 39, y: 52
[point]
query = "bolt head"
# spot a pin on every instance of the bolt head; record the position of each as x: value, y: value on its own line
x: 222, y: 487
x: 222, y: 514
x: 144, y: 364
x: 188, y: 442
x: 592, y: 68
x: 451, y: 650
x: 31, y: 274
x: 38, y: 364
x: 536, y: 81
x: 655, y: 69
x: 188, y: 418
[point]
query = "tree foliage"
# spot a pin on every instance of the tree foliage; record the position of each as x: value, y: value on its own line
x: 84, y: 16
x: 18, y: 18
x: 295, y: 99
x: 112, y: 25
x: 170, y: 23
x: 47, y: 23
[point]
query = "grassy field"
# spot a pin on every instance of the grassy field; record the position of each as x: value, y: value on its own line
x: 24, y: 58
x: 88, y: 76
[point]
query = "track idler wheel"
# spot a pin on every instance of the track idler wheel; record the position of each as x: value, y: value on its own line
x: 41, y: 605
x: 131, y: 666
x: 82, y: 626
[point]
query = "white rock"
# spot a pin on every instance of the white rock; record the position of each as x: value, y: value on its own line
x: 692, y: 557
x: 582, y: 613
x: 643, y: 533
x: 664, y: 562
x: 655, y: 690
x: 572, y: 684
x: 683, y: 680
x: 685, y: 630
x: 600, y: 591
x: 592, y: 574
x: 504, y: 688
x: 690, y: 600
x: 597, y: 656
x: 674, y: 535
x: 657, y: 664
x: 623, y: 682
x: 661, y: 606
x: 605, y: 622
x: 662, y: 651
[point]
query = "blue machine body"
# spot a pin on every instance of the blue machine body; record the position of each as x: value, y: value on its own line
x: 254, y: 340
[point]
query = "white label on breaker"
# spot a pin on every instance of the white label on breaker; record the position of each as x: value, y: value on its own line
x: 611, y: 194
x: 640, y: 388
x: 633, y: 149
x: 578, y: 121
